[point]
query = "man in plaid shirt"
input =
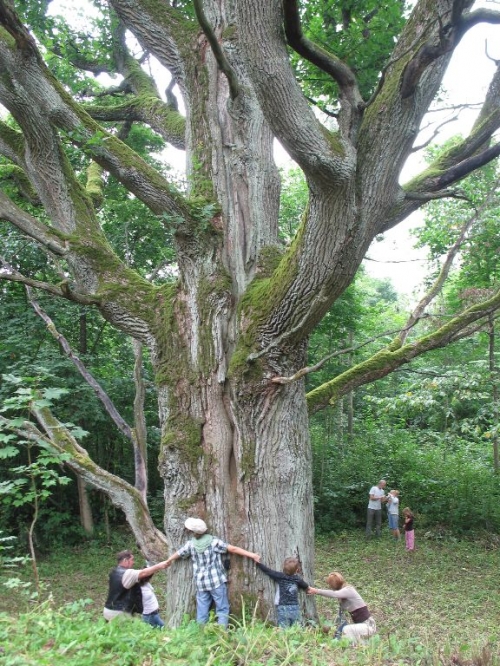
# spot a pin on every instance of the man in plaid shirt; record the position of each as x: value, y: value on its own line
x: 210, y: 577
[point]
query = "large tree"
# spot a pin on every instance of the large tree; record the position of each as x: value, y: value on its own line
x: 235, y: 446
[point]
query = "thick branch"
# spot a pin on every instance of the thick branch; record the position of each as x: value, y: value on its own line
x: 31, y: 226
x: 39, y: 104
x: 386, y: 361
x: 122, y: 494
x: 481, y: 15
x: 151, y: 110
x: 327, y: 62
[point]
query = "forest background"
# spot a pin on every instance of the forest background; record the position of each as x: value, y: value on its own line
x: 430, y: 429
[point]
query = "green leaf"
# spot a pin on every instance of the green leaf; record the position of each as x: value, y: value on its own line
x: 8, y: 451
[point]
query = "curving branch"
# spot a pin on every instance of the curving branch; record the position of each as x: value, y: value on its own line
x: 62, y: 290
x: 481, y: 15
x: 327, y: 62
x: 396, y: 355
x: 137, y: 435
x: 463, y: 168
x: 222, y: 61
x: 30, y: 226
x: 122, y: 494
x: 101, y: 394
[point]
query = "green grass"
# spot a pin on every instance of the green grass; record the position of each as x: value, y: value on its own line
x: 437, y: 606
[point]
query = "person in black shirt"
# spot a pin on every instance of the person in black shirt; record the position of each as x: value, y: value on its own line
x: 287, y: 591
x: 124, y: 592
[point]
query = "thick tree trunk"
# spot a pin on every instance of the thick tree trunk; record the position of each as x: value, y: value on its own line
x: 250, y: 479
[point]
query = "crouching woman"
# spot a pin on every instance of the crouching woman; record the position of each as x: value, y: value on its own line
x: 363, y: 624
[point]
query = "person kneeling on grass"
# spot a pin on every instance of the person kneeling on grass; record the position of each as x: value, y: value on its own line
x: 124, y: 590
x: 210, y: 577
x: 363, y: 624
x: 287, y: 591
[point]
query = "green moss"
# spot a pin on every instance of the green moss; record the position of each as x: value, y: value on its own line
x: 229, y: 32
x: 94, y: 184
x: 12, y: 138
x: 333, y: 139
x: 248, y: 458
x: 261, y: 297
x: 268, y: 260
x: 184, y: 435
x: 7, y: 38
x: 188, y: 502
x: 332, y: 390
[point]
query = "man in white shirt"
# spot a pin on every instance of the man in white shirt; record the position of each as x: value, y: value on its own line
x: 377, y: 496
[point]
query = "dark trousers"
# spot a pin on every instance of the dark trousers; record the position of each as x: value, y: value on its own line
x: 377, y: 514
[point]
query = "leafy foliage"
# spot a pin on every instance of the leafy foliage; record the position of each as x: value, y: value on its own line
x: 361, y: 33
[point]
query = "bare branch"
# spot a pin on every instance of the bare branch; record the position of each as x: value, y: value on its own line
x: 434, y: 134
x: 445, y: 269
x: 317, y: 366
x: 7, y: 272
x: 219, y: 56
x: 106, y: 401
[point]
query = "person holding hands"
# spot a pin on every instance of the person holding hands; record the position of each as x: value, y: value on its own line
x: 363, y: 625
x: 209, y: 573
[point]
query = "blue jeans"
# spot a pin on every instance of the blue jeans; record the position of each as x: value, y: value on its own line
x: 204, y: 601
x: 288, y: 615
x: 153, y: 619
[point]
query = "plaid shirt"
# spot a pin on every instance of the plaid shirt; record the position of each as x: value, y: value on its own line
x: 208, y: 569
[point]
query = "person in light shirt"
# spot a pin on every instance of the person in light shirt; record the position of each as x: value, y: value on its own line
x: 362, y: 625
x: 374, y: 512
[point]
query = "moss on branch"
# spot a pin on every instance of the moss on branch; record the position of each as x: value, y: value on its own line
x: 396, y: 355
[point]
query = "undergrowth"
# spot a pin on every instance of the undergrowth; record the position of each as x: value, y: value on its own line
x: 437, y: 607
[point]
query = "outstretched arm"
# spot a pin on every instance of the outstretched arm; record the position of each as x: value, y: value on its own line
x: 149, y: 571
x: 236, y: 550
x: 171, y: 559
x: 279, y: 575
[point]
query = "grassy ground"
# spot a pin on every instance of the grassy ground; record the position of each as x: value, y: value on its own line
x: 439, y: 605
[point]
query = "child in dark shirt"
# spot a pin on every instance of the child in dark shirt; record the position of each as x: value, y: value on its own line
x: 409, y: 529
x: 287, y: 591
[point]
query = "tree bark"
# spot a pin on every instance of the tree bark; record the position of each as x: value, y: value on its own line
x: 86, y: 519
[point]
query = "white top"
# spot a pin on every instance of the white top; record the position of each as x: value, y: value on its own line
x: 376, y: 503
x: 149, y: 600
x: 393, y: 504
